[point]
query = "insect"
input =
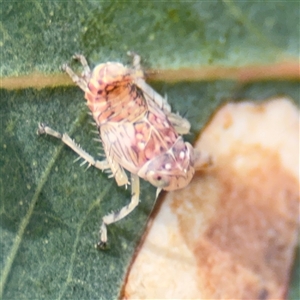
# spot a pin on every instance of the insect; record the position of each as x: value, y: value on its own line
x: 139, y: 133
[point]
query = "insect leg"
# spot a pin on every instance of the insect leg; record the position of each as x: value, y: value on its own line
x: 117, y: 172
x: 182, y: 125
x: 123, y: 212
x: 136, y: 60
x: 102, y: 165
x: 86, y: 68
x: 81, y: 82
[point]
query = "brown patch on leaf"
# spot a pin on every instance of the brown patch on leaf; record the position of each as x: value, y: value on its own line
x: 232, y: 233
x: 244, y: 251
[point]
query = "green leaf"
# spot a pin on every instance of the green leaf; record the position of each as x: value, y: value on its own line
x: 40, y: 35
x: 51, y: 208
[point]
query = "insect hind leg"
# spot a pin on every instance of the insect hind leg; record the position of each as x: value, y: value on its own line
x: 102, y: 165
x: 136, y: 60
x: 81, y: 81
x: 84, y: 63
x: 123, y: 212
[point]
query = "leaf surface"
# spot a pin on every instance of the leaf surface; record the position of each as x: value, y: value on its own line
x: 51, y: 208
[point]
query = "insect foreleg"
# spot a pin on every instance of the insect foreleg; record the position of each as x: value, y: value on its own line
x: 102, y: 165
x: 123, y: 212
x: 82, y: 60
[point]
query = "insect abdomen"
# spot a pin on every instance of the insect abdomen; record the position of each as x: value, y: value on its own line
x: 112, y: 96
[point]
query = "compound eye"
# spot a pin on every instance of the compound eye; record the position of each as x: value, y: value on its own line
x: 158, y: 180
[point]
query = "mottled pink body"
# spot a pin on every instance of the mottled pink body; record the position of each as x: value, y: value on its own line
x: 139, y: 132
x: 136, y: 131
